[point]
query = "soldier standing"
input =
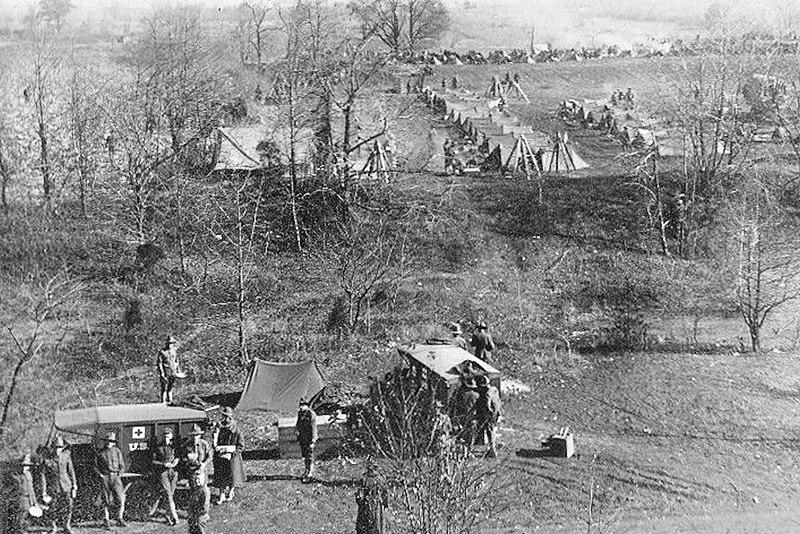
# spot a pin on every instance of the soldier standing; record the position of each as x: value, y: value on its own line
x: 306, y: 430
x: 483, y: 343
x: 464, y: 409
x: 487, y: 413
x: 228, y: 471
x: 110, y: 465
x: 198, y: 452
x: 58, y: 481
x: 23, y: 497
x: 199, y: 503
x: 164, y: 461
x: 168, y: 368
x: 448, y: 156
x: 458, y: 339
x: 372, y: 499
x: 454, y: 82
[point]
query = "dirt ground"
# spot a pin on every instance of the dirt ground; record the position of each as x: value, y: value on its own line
x: 671, y: 442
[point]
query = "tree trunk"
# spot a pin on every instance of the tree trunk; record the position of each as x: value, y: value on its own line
x: 755, y: 338
x: 12, y: 389
x: 240, y: 279
x: 293, y: 165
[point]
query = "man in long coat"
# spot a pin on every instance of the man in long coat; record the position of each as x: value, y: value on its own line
x: 59, y: 483
x: 463, y: 412
x: 306, y: 430
x: 228, y: 470
x: 372, y: 498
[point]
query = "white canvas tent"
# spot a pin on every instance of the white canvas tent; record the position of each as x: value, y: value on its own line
x: 273, y: 386
x: 561, y: 157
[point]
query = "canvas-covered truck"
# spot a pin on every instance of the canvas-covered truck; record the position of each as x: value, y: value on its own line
x: 443, y: 365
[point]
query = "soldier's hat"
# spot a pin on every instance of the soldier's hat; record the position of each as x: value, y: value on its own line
x: 27, y: 460
x: 226, y: 411
x: 469, y: 383
x: 482, y: 325
x: 111, y: 436
x: 482, y: 381
x: 455, y: 328
x: 58, y: 442
x: 171, y: 339
x: 196, y: 430
x: 168, y: 430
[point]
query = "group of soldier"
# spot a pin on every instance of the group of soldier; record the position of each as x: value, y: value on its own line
x: 58, y: 484
x: 620, y: 98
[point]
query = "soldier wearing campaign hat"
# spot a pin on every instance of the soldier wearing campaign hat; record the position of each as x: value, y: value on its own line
x: 110, y: 465
x: 306, y: 430
x: 59, y: 485
x: 22, y: 505
x: 228, y: 447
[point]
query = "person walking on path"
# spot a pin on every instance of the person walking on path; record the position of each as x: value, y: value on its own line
x: 306, y: 430
x: 168, y: 368
x: 59, y: 484
x: 372, y: 499
x: 165, y: 459
x: 483, y: 343
x: 199, y: 503
x: 110, y: 465
x: 228, y: 447
x: 487, y: 413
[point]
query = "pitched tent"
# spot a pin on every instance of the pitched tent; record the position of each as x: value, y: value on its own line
x: 278, y: 386
x: 561, y: 157
x: 238, y: 149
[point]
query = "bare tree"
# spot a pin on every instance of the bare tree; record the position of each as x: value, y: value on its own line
x: 648, y: 178
x: 41, y: 94
x: 401, y: 24
x: 365, y: 257
x: 256, y: 28
x: 240, y: 225
x: 439, y: 487
x: 31, y: 328
x: 84, y: 125
x: 426, y: 19
x: 764, y: 249
x: 385, y: 19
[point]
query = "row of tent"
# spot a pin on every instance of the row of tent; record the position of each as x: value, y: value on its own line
x: 509, y: 145
x: 630, y: 127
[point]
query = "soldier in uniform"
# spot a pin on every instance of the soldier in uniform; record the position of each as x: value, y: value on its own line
x: 59, y: 483
x: 165, y: 460
x: 458, y: 339
x: 463, y: 412
x: 228, y: 471
x: 199, y: 503
x: 197, y: 452
x: 483, y: 343
x: 168, y: 368
x: 487, y: 412
x: 22, y: 499
x: 306, y: 430
x: 372, y: 499
x: 448, y: 156
x: 110, y: 465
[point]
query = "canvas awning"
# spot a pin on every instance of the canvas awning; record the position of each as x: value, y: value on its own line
x: 90, y: 418
x: 447, y: 361
x: 273, y: 386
